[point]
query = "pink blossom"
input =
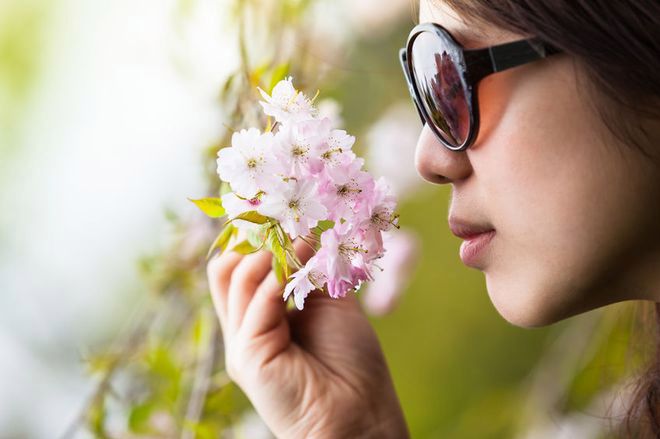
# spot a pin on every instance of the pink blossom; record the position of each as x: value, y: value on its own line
x: 303, y: 173
x: 298, y: 145
x: 304, y: 281
x: 346, y: 189
x: 286, y: 104
x: 340, y: 140
x: 295, y: 205
x: 235, y: 206
x: 334, y: 152
x: 249, y: 165
x: 342, y: 261
x: 377, y: 215
x: 381, y: 206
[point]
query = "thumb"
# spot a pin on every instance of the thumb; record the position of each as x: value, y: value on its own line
x: 267, y: 309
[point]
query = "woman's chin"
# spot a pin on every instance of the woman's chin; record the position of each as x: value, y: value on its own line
x: 526, y: 305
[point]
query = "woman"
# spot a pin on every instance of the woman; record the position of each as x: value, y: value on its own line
x: 556, y: 192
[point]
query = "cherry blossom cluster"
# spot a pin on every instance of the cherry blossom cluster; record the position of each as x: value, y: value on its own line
x: 303, y: 177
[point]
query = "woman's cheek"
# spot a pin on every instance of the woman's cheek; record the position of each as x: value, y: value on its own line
x: 530, y: 271
x: 569, y: 232
x: 545, y: 252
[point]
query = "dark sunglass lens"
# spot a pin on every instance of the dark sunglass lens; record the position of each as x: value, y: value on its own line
x: 441, y: 87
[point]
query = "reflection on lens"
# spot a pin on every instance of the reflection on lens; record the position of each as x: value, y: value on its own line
x: 441, y: 87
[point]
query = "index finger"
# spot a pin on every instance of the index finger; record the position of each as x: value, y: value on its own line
x: 267, y: 308
x: 219, y: 271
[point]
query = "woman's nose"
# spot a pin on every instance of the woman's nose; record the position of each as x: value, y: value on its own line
x: 438, y: 164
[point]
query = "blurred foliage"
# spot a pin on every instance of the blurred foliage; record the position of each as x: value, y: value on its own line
x: 22, y: 46
x: 460, y: 370
x: 163, y: 376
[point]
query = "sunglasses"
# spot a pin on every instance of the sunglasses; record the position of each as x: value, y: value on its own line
x: 442, y: 78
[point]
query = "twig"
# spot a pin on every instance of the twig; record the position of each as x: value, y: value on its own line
x: 127, y: 348
x: 307, y: 242
x: 201, y: 385
x: 98, y: 392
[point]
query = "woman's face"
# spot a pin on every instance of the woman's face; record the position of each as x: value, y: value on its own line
x: 576, y: 215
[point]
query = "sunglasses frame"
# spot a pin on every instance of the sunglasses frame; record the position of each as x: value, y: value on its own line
x: 473, y: 65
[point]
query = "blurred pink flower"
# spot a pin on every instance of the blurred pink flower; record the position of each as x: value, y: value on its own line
x: 391, y: 145
x: 383, y: 294
x: 330, y: 109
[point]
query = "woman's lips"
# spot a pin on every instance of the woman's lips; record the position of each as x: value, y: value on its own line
x: 473, y: 248
x: 476, y: 239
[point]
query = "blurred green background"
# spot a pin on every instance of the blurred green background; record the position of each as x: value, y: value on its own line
x: 110, y: 118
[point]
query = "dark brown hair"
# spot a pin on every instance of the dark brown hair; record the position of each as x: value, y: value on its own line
x: 617, y: 44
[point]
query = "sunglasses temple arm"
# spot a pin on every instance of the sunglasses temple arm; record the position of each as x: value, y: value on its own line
x: 482, y: 62
x: 403, y: 58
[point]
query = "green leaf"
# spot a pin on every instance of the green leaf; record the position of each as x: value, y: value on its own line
x: 95, y: 417
x: 325, y: 225
x: 278, y: 74
x: 278, y: 270
x: 258, y: 73
x: 287, y: 245
x: 275, y: 242
x: 227, y: 401
x: 138, y: 418
x: 257, y: 237
x: 101, y: 363
x: 222, y: 240
x: 322, y: 226
x: 201, y: 430
x: 226, y: 87
x: 225, y: 188
x: 201, y: 328
x: 252, y: 217
x: 212, y: 207
x: 244, y: 248
x: 165, y: 372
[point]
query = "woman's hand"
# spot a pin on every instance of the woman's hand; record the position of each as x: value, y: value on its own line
x: 313, y: 373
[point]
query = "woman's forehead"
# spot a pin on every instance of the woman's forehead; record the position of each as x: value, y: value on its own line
x: 468, y: 32
x: 436, y: 11
x: 439, y: 12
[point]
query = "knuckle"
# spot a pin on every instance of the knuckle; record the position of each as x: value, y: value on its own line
x: 218, y: 269
x: 230, y: 363
x: 230, y: 369
x: 234, y: 362
x: 243, y: 274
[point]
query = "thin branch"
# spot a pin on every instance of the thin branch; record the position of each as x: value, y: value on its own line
x: 202, y: 384
x: 307, y: 242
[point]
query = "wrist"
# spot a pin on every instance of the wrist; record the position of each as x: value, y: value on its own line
x: 381, y: 425
x: 389, y: 424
